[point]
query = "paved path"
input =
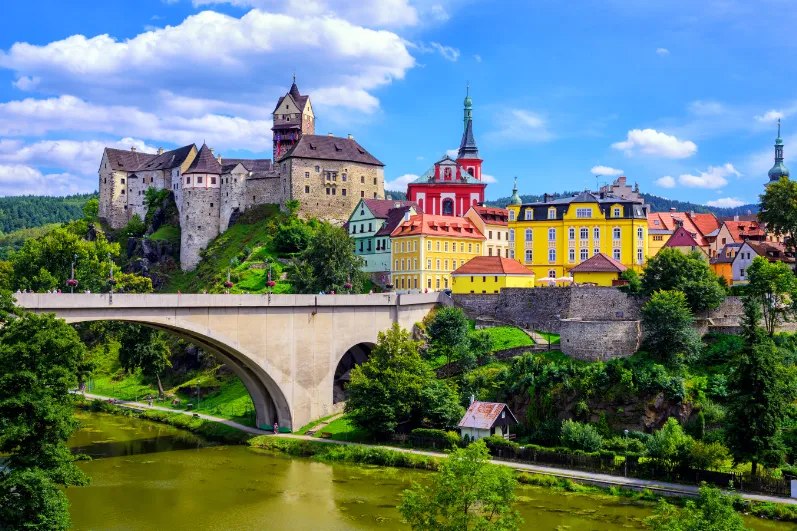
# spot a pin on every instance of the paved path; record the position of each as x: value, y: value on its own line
x: 604, y: 480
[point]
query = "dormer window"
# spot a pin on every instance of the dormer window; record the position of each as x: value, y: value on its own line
x: 551, y: 213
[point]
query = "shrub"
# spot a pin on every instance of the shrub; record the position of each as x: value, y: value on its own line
x: 496, y: 442
x: 135, y: 227
x: 707, y: 455
x: 292, y: 237
x: 579, y: 436
x: 441, y: 438
x: 624, y: 445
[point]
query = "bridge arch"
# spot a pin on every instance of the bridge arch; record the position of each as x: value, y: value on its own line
x: 262, y: 384
x: 355, y: 355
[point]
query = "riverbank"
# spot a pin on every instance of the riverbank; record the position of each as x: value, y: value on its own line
x: 330, y: 450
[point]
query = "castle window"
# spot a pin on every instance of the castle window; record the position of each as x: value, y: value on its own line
x: 333, y: 191
x: 343, y: 191
x: 123, y: 180
x: 374, y: 180
x: 199, y: 180
x: 343, y: 178
x: 253, y: 198
x: 235, y: 180
x: 317, y: 169
x: 211, y: 205
x: 362, y: 193
x: 105, y: 180
x: 328, y: 192
x: 125, y: 207
x: 307, y: 189
x: 212, y: 180
x: 376, y: 196
x: 362, y: 179
x: 284, y: 166
x: 123, y: 191
x: 307, y: 175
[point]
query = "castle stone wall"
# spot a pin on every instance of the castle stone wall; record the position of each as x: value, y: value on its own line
x: 199, y: 223
x: 264, y: 190
x: 599, y: 340
x: 233, y: 195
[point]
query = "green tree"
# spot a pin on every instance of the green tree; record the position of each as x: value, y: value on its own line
x: 689, y: 273
x: 134, y: 228
x: 712, y: 512
x: 468, y: 493
x: 760, y: 394
x: 773, y: 287
x: 292, y: 236
x: 668, y: 324
x: 41, y: 359
x: 130, y: 283
x: 45, y: 262
x: 778, y: 210
x: 146, y: 349
x: 449, y: 336
x: 396, y: 389
x: 92, y: 209
x: 634, y: 285
x: 578, y: 436
x: 328, y: 263
x: 293, y: 206
x: 669, y: 445
x: 6, y: 275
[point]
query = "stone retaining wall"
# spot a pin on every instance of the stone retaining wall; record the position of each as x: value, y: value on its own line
x: 599, y: 340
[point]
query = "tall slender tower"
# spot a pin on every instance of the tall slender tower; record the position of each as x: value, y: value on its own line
x: 293, y: 117
x: 468, y: 155
x: 778, y: 170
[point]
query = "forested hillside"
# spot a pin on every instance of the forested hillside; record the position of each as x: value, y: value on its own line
x: 29, y: 211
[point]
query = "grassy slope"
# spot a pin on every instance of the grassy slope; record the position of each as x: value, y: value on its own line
x: 248, y: 242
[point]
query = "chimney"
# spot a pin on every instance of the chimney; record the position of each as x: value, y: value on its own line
x: 219, y: 158
x: 691, y: 213
x: 160, y: 151
x: 389, y: 197
x: 545, y: 198
x: 351, y: 137
x: 330, y: 134
x: 672, y: 209
x: 133, y: 149
x: 736, y: 217
x: 211, y: 151
x: 397, y: 204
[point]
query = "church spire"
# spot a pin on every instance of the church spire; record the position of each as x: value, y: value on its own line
x: 468, y: 107
x: 779, y: 169
x: 515, y: 199
x: 294, y: 92
x: 467, y: 147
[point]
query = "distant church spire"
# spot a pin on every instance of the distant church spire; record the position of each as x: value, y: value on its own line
x: 779, y: 169
x: 468, y: 107
x: 515, y: 199
x: 467, y: 147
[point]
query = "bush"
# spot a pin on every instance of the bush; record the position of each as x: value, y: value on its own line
x: 442, y: 439
x: 496, y: 442
x: 292, y: 237
x: 134, y: 228
x: 707, y: 455
x: 623, y: 445
x: 579, y: 436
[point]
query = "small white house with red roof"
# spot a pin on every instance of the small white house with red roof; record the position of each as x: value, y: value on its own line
x: 486, y: 418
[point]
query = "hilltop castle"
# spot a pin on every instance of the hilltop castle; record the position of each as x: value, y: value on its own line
x: 328, y: 175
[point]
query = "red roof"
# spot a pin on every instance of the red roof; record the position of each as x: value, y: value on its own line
x: 706, y: 223
x: 492, y: 216
x: 445, y: 226
x: 492, y: 265
x: 697, y: 224
x: 482, y: 415
x: 681, y: 238
x: 380, y: 208
x: 744, y: 229
x: 599, y: 263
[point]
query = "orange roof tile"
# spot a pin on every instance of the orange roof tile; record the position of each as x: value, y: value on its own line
x: 444, y: 226
x: 743, y: 229
x: 706, y: 223
x: 671, y: 220
x: 492, y: 265
x: 492, y: 216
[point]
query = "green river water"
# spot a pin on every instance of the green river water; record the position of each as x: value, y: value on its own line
x: 148, y: 476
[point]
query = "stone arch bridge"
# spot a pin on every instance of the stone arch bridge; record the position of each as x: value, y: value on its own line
x: 286, y: 349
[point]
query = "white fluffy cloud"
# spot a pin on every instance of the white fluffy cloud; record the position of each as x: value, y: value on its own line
x: 770, y: 116
x: 726, y: 202
x: 523, y: 127
x: 662, y: 51
x: 655, y: 143
x: 18, y: 179
x: 452, y: 153
x: 449, y: 53
x: 714, y: 177
x: 666, y: 182
x: 399, y: 184
x: 489, y: 179
x: 605, y: 170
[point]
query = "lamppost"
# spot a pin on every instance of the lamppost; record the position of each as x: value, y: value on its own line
x: 625, y: 462
x: 72, y: 282
x: 269, y: 283
x: 111, y: 281
x: 228, y: 284
x: 347, y: 286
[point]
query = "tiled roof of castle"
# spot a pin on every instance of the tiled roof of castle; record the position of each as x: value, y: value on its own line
x: 599, y: 263
x: 681, y: 238
x: 482, y: 415
x: 744, y: 229
x: 331, y: 148
x: 204, y: 162
x: 128, y: 160
x: 492, y: 216
x: 429, y: 225
x: 297, y: 98
x: 492, y: 265
x: 380, y: 208
x: 253, y: 165
x: 394, y: 217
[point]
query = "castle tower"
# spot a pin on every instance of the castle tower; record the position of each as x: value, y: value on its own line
x: 293, y: 117
x: 200, y: 208
x: 468, y: 155
x: 778, y: 170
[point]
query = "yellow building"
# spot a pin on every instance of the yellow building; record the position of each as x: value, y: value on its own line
x: 601, y: 270
x: 489, y: 274
x: 494, y: 226
x: 426, y: 249
x: 553, y: 236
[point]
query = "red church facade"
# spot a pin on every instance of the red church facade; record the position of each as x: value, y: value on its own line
x: 451, y: 187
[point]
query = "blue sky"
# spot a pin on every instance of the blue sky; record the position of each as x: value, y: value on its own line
x: 682, y: 97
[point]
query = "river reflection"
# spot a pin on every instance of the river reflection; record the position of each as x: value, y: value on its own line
x: 148, y: 476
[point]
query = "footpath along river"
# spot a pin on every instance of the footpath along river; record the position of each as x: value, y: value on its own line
x: 149, y: 476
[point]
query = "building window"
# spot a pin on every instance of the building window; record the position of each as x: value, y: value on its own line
x: 551, y: 235
x: 396, y: 266
x: 343, y: 177
x: 551, y: 213
x: 429, y: 263
x: 429, y: 282
x: 318, y: 169
x: 639, y: 256
x: 572, y: 255
x: 617, y: 212
x: 402, y: 264
x: 362, y: 193
x: 188, y: 180
x: 307, y: 175
x: 583, y: 212
x: 529, y: 256
x: 551, y: 255
x: 343, y: 191
x: 374, y: 181
x: 490, y: 233
x: 477, y: 249
x: 470, y: 248
x: 596, y: 233
x: 437, y: 264
x: 511, y: 253
x: 529, y: 235
x: 428, y: 245
x: 511, y: 215
x: 595, y: 251
x: 334, y: 190
x: 445, y: 246
x: 328, y: 192
x: 640, y: 233
x: 511, y: 235
x: 741, y: 272
x: 616, y: 233
x: 552, y: 273
x: 362, y: 179
x: 123, y: 191
x: 584, y: 233
x: 528, y: 215
x: 445, y: 282
x: 199, y: 180
x: 437, y: 282
x: 414, y: 245
x: 584, y: 253
x: 123, y: 180
x: 445, y: 264
x: 616, y: 254
x: 212, y: 180
x: 657, y: 238
x: 490, y: 251
x: 571, y: 234
x: 448, y: 207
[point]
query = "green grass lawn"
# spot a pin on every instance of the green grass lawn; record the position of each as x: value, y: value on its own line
x: 307, y: 427
x: 552, y: 338
x: 505, y: 337
x: 342, y: 430
x: 166, y: 232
